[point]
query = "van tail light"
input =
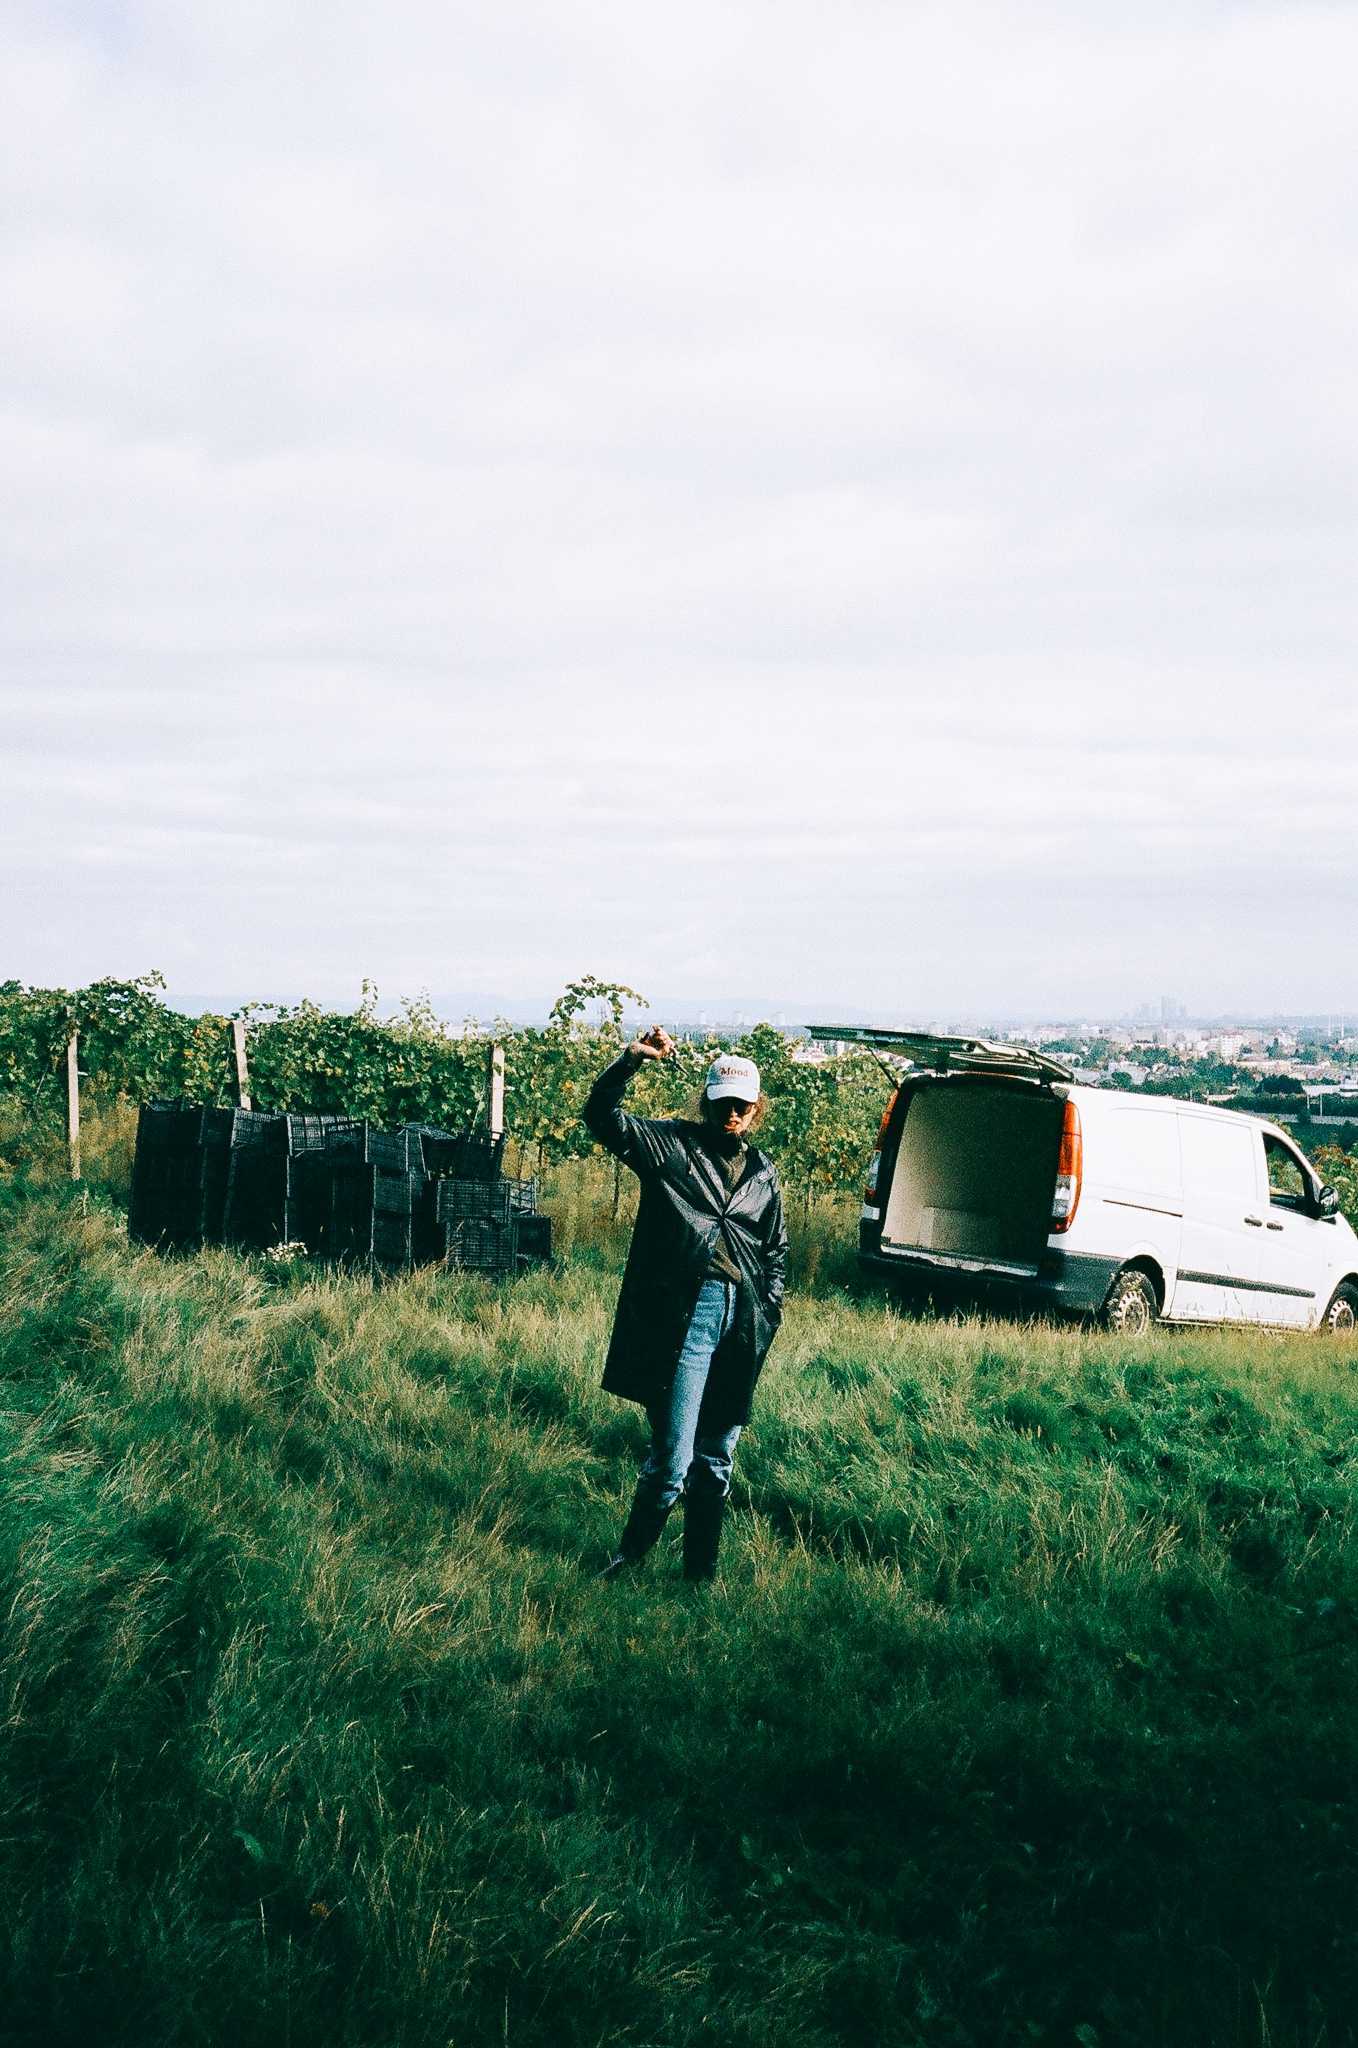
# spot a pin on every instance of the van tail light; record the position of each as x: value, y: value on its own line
x: 1069, y: 1171
x: 870, y: 1191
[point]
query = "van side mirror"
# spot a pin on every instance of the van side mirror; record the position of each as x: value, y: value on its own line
x: 1328, y: 1201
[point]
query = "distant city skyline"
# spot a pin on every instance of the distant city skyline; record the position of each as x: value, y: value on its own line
x: 689, y: 1012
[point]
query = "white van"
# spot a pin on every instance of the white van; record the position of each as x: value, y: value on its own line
x: 995, y: 1169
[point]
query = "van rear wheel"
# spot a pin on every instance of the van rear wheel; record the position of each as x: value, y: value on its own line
x: 1131, y: 1305
x: 1341, y: 1317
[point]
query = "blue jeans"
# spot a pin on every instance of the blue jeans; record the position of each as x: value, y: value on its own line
x: 678, y: 1454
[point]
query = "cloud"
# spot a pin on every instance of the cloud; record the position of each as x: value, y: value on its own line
x: 488, y: 492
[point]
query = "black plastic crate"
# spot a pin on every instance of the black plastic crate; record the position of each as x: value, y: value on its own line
x: 178, y: 1198
x: 489, y: 1199
x: 395, y: 1194
x: 215, y: 1128
x: 308, y: 1200
x: 157, y: 1139
x: 347, y: 1140
x: 159, y: 1113
x: 433, y: 1141
x: 154, y: 1217
x: 470, y: 1155
x: 182, y: 1127
x: 258, y: 1130
x: 366, y: 1208
x: 482, y: 1244
x: 347, y: 1211
x: 439, y: 1150
x: 372, y: 1147
x: 428, y: 1241
x: 270, y: 1200
x: 396, y: 1151
x: 523, y: 1196
x: 165, y: 1174
x: 313, y: 1131
x: 256, y: 1198
x: 155, y: 1213
x: 167, y: 1126
x: 535, y: 1240
x: 393, y: 1242
x: 149, y: 1206
x: 216, y: 1169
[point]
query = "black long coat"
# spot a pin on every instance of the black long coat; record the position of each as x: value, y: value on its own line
x: 685, y: 1210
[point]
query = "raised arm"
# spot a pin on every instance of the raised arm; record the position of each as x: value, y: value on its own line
x: 636, y: 1140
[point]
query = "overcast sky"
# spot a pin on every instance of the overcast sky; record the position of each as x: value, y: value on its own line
x: 848, y: 504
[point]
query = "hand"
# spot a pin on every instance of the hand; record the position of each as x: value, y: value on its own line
x: 655, y: 1044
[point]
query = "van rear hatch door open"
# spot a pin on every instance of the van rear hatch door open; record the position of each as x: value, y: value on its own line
x: 941, y: 1054
x: 969, y: 1186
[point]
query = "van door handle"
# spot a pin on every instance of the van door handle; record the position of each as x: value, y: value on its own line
x: 1275, y: 1226
x: 1257, y: 1221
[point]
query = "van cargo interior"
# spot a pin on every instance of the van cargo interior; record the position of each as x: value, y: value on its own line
x: 975, y: 1172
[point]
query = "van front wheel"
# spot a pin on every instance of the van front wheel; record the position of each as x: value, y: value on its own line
x: 1341, y: 1317
x: 1131, y: 1305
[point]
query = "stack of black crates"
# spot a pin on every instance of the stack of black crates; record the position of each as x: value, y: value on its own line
x: 179, y: 1181
x: 336, y: 1186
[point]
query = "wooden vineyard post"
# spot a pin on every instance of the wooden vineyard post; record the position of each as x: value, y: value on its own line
x: 242, y: 1063
x: 73, y: 1102
x: 495, y: 1091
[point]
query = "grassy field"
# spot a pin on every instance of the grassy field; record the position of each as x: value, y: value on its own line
x: 1023, y: 1711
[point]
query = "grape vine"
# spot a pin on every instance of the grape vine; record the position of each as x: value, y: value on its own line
x: 416, y: 1068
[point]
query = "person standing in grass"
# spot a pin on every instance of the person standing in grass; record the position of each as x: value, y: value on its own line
x: 702, y: 1295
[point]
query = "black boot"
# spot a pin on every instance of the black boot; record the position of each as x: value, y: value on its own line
x: 641, y: 1533
x: 703, y: 1512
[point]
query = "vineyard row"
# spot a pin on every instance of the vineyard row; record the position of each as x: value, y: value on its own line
x: 414, y: 1068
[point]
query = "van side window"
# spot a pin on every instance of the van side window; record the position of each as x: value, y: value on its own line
x: 1288, y: 1187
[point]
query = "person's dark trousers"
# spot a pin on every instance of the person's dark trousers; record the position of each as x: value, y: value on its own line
x: 704, y: 1509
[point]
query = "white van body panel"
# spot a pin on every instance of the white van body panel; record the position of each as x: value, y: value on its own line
x: 1219, y: 1256
x: 1184, y: 1186
x: 1131, y: 1190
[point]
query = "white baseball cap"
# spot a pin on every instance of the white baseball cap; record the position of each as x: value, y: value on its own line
x: 729, y: 1074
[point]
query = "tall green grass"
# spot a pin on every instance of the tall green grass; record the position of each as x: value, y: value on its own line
x: 1023, y: 1710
